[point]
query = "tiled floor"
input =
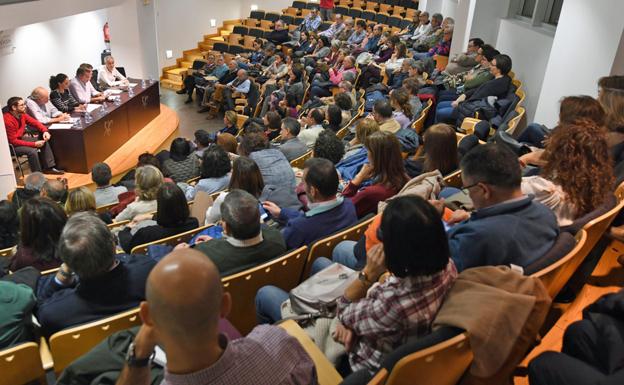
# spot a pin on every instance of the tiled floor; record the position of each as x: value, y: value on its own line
x: 190, y: 120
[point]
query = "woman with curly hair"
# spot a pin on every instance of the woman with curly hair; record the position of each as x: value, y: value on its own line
x: 578, y: 173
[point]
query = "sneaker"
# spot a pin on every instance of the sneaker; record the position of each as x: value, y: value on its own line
x: 181, y: 92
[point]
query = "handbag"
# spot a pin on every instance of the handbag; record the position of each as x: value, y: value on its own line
x: 318, y: 294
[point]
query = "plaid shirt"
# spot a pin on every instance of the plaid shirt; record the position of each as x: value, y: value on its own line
x: 391, y: 312
x: 267, y: 356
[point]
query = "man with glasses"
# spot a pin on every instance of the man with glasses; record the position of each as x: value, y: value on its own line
x: 507, y: 227
x: 36, y: 147
x: 312, y: 21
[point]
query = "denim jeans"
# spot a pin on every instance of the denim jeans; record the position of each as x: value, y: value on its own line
x: 534, y: 135
x: 343, y: 254
x: 269, y: 301
x: 444, y: 112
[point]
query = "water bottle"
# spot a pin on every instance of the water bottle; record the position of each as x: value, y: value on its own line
x: 142, y: 83
x: 151, y: 80
x: 117, y: 100
x: 88, y: 118
x: 78, y: 124
x: 130, y: 91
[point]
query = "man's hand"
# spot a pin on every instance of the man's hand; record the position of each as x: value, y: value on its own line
x: 344, y: 336
x: 272, y: 208
x: 375, y: 262
x: 40, y: 143
x: 144, y: 342
x: 202, y: 238
x: 181, y: 246
x: 457, y: 217
x: 46, y: 136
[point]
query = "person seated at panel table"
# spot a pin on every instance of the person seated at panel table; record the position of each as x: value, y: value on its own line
x: 37, y: 148
x: 109, y: 76
x: 60, y: 96
x: 197, y: 353
x: 39, y: 107
x: 81, y: 88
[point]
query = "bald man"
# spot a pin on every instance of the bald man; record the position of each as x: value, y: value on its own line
x: 38, y: 106
x: 185, y: 300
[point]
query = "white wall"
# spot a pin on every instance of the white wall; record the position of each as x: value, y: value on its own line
x: 529, y: 51
x: 449, y: 8
x: 47, y: 48
x: 181, y: 24
x: 573, y: 69
x: 618, y: 63
x: 485, y: 23
x: 7, y: 177
x: 463, y: 26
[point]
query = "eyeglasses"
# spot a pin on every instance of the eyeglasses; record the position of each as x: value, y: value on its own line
x: 465, y: 189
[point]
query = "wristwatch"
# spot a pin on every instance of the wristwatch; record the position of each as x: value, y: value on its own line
x: 133, y: 361
x: 364, y: 278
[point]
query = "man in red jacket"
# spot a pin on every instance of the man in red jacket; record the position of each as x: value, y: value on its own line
x: 37, y: 149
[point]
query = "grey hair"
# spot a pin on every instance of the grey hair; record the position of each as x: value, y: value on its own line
x: 241, y: 214
x: 86, y: 245
x: 107, y: 58
x: 37, y: 92
x: 450, y: 21
x: 438, y: 17
x: 34, y: 181
x: 347, y: 85
x: 349, y: 76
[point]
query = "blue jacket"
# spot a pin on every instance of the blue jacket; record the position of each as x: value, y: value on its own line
x: 516, y: 232
x: 304, y: 229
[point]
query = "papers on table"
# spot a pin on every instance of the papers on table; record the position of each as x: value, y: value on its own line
x: 113, y: 92
x: 132, y: 84
x: 92, y: 107
x: 71, y: 120
x: 61, y: 126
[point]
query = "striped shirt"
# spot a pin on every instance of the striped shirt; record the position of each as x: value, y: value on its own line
x: 391, y: 312
x: 267, y: 356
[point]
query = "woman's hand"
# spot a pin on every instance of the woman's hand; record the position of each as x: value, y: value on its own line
x: 365, y: 174
x: 344, y: 336
x: 375, y: 262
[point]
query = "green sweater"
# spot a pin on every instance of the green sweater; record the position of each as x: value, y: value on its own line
x: 482, y: 76
x: 231, y: 259
x: 16, y: 304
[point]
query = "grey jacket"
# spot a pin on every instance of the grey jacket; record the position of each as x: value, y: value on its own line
x: 293, y: 148
x: 276, y: 172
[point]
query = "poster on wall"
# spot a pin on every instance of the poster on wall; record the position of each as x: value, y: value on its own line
x: 6, y: 42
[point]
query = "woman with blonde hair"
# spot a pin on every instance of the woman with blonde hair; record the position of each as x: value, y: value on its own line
x: 577, y: 177
x: 229, y: 120
x: 79, y: 199
x: 385, y: 169
x: 148, y: 180
x: 363, y: 130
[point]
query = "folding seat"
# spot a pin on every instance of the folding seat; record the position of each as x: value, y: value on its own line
x: 288, y: 19
x: 298, y: 20
x: 355, y: 13
x: 324, y: 26
x: 266, y: 24
x: 236, y: 49
x: 273, y: 16
x: 256, y: 32
x: 394, y: 21
x: 384, y: 7
x: 372, y: 5
x: 258, y: 15
x: 220, y: 47
x: 369, y: 15
x: 404, y: 23
x: 234, y: 38
x: 398, y: 11
x: 299, y: 4
x: 382, y: 18
x: 312, y: 5
x: 251, y: 22
x: 241, y: 30
x: 341, y: 10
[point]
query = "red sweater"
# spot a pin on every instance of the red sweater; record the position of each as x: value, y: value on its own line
x: 327, y: 4
x: 366, y: 199
x: 15, y: 128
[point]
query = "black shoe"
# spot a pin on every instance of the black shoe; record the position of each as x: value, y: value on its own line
x: 181, y: 92
x: 187, y: 101
x: 203, y: 109
x: 53, y: 171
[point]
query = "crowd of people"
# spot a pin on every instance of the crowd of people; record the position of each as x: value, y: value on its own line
x: 517, y: 199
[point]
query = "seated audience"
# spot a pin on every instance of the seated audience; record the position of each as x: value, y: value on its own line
x: 215, y: 172
x: 363, y: 129
x: 37, y: 148
x: 172, y: 217
x: 17, y: 302
x: 328, y: 146
x: 328, y: 213
x: 245, y: 176
x: 246, y: 242
x: 109, y: 76
x: 41, y: 223
x: 314, y: 126
x: 81, y: 88
x: 335, y: 28
x: 439, y: 152
x: 499, y: 86
x: 278, y: 176
x: 93, y: 282
x: 183, y: 282
x: 105, y: 193
x: 333, y: 115
x: 148, y: 180
x: 385, y: 169
x: 382, y: 113
x: 312, y: 21
x: 229, y: 121
x: 82, y: 199
x: 374, y: 320
x: 290, y: 145
x: 465, y: 61
x: 181, y: 164
x: 577, y: 176
x: 279, y: 35
x: 412, y: 86
x: 241, y: 84
x: 202, y: 141
x: 60, y: 96
x: 9, y: 224
x: 39, y: 107
x: 272, y: 124
x: 33, y: 184
x: 402, y: 108
x: 507, y: 227
x: 56, y: 190
x: 591, y: 351
x: 144, y: 159
x: 227, y: 142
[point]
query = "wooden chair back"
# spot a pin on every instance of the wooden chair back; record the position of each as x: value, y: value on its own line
x: 324, y: 247
x: 522, y: 95
x: 453, y: 179
x: 283, y: 272
x: 419, y: 124
x: 371, y: 6
x: 114, y: 225
x: 441, y: 62
x: 69, y: 344
x: 266, y: 24
x: 171, y: 241
x: 248, y: 41
x: 555, y: 276
x: 6, y: 252
x: 21, y: 364
x: 446, y: 362
x: 513, y: 123
x: 251, y: 22
x: 105, y: 208
x: 298, y: 162
x: 202, y: 201
x: 517, y: 83
x: 241, y: 119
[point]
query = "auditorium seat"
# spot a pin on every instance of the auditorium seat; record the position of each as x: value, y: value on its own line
x: 240, y: 29
x: 171, y: 241
x: 298, y: 162
x: 341, y: 10
x: 21, y: 364
x: 258, y: 15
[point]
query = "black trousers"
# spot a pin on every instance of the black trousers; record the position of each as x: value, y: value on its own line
x: 228, y: 102
x: 37, y: 157
x: 578, y: 362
